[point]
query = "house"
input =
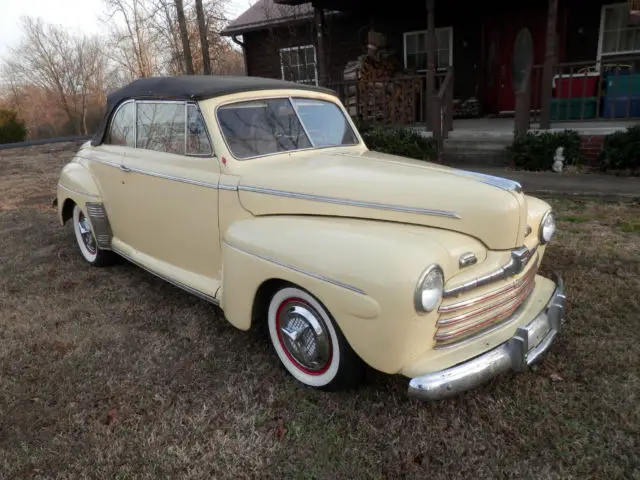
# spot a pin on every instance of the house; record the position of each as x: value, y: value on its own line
x: 548, y: 60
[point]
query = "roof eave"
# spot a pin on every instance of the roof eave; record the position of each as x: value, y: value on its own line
x: 250, y: 27
x: 281, y: 22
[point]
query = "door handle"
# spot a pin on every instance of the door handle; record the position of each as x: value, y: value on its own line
x: 125, y: 169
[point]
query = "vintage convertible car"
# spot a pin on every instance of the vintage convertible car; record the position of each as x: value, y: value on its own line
x: 260, y: 196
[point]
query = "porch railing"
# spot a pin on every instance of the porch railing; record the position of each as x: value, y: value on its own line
x: 582, y: 91
x: 390, y: 101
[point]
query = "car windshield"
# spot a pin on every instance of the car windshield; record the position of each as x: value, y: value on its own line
x: 257, y: 128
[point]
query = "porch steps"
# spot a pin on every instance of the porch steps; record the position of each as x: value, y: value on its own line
x: 484, y: 141
x: 464, y: 148
x: 481, y: 148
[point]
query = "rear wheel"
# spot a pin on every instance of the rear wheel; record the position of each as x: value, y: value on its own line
x: 308, y: 342
x: 87, y: 241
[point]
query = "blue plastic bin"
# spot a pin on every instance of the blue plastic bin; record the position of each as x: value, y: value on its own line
x: 616, y: 107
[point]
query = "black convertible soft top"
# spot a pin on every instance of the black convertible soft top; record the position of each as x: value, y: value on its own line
x: 190, y: 87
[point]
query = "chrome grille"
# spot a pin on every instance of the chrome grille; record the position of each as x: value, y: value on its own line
x: 461, y: 319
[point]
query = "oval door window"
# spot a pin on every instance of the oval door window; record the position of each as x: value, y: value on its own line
x: 522, y: 57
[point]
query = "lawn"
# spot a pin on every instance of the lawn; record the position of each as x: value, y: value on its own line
x: 111, y: 373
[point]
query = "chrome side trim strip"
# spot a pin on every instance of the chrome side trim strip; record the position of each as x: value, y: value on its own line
x: 77, y: 192
x: 301, y: 196
x: 352, y: 203
x: 175, y: 179
x: 175, y: 283
x: 519, y: 260
x: 298, y: 270
x: 156, y: 174
x: 503, y: 183
x: 99, y: 160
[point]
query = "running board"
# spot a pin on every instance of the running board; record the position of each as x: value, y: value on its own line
x: 175, y: 283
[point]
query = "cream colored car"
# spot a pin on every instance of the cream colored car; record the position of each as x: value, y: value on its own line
x: 261, y: 197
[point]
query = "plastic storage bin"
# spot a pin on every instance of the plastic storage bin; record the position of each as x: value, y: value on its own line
x: 622, y: 85
x: 577, y: 85
x: 571, y: 109
x: 616, y: 106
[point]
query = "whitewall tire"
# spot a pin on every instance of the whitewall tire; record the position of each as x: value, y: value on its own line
x: 308, y: 342
x: 86, y: 240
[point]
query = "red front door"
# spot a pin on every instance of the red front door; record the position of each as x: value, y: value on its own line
x: 513, y: 42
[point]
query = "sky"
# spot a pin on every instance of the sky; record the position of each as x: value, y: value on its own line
x: 78, y: 15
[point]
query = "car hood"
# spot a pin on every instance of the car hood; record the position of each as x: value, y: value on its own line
x: 376, y: 186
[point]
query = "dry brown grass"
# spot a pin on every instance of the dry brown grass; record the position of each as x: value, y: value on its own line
x: 111, y: 373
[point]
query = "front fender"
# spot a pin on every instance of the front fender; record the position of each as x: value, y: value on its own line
x: 364, y: 272
x: 75, y: 183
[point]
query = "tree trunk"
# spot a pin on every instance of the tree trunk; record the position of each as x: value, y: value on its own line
x: 549, y: 64
x: 204, y: 43
x: 184, y: 35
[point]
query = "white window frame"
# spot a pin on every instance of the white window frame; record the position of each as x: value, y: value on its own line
x: 417, y: 32
x: 602, y: 54
x: 300, y: 47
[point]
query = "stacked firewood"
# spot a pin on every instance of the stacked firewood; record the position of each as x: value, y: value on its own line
x: 374, y: 94
x: 469, y: 108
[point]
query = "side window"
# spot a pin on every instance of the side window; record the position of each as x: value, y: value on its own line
x: 197, y: 138
x: 161, y: 127
x: 121, y: 130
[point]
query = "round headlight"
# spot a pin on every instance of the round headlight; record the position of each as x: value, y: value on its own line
x: 547, y: 227
x: 429, y: 289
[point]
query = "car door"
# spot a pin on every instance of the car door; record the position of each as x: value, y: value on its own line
x: 105, y: 162
x: 171, y: 189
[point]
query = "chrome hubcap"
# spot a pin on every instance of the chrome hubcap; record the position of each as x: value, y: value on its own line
x: 87, y: 235
x: 304, y: 336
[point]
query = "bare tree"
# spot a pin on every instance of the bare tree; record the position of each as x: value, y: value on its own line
x: 68, y: 68
x: 204, y: 43
x: 58, y: 80
x: 164, y: 22
x: 132, y: 41
x: 184, y: 35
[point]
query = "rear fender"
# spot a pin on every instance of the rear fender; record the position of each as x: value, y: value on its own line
x: 77, y: 185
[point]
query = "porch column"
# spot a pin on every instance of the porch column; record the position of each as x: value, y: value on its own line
x: 431, y: 62
x: 322, y: 59
x: 549, y: 64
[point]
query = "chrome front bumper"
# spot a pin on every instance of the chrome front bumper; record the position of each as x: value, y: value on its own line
x: 525, y: 348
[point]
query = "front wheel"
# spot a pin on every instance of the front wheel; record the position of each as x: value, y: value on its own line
x: 310, y: 346
x: 87, y: 241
